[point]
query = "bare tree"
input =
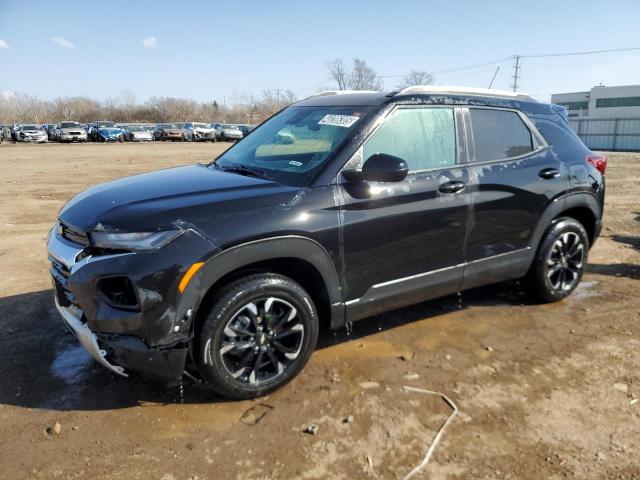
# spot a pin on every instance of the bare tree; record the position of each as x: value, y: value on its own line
x: 363, y: 77
x: 22, y: 108
x: 338, y: 73
x: 416, y: 77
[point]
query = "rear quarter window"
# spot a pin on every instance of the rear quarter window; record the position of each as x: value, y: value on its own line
x: 560, y: 136
x: 498, y: 134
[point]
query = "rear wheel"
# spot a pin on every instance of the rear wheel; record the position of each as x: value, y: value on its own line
x: 560, y: 261
x: 257, y: 336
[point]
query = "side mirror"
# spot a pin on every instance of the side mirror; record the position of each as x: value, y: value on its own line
x: 379, y: 167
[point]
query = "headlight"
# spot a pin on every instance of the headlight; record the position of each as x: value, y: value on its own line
x: 134, y: 241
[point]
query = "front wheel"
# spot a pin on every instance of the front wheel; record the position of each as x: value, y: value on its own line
x: 560, y: 261
x: 257, y: 336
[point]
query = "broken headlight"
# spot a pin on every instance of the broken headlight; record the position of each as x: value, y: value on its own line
x: 135, y: 241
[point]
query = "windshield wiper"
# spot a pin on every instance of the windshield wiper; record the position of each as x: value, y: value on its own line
x: 243, y: 170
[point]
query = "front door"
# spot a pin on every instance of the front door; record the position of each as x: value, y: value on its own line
x: 403, y: 242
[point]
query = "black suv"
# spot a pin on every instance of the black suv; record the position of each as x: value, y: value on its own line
x: 337, y: 208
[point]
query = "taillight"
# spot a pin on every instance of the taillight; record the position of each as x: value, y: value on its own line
x: 598, y: 161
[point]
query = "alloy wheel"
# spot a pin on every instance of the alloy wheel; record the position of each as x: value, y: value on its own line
x: 262, y: 339
x: 565, y: 261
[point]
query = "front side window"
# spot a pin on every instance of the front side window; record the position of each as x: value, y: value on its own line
x: 292, y: 146
x: 424, y: 137
x: 499, y: 134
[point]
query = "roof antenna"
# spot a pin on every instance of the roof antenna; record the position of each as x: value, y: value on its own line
x: 494, y: 76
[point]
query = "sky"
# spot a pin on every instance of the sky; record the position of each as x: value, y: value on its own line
x: 225, y: 50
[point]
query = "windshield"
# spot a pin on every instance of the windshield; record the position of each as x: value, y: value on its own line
x: 136, y: 128
x: 200, y: 125
x: 105, y: 124
x: 69, y: 125
x: 31, y: 127
x: 166, y: 125
x: 293, y: 145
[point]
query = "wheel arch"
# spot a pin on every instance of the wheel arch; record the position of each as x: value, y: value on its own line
x: 583, y: 207
x: 300, y: 258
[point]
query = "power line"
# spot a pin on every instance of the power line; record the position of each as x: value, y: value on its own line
x: 457, y: 69
x: 585, y: 52
x: 516, y: 58
x: 517, y: 65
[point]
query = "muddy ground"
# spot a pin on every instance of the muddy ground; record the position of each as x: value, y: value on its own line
x: 545, y: 391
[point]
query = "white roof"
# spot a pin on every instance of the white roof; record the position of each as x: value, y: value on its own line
x: 487, y: 92
x: 326, y: 93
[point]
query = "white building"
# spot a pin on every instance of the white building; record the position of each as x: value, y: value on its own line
x: 601, y: 102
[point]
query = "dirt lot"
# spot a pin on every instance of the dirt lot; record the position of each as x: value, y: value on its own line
x: 545, y: 391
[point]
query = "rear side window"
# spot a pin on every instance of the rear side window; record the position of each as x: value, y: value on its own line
x: 423, y: 137
x: 499, y: 134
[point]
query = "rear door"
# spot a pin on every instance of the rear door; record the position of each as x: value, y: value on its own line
x: 514, y: 176
x: 403, y: 242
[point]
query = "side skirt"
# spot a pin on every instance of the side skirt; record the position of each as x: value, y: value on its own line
x: 425, y: 286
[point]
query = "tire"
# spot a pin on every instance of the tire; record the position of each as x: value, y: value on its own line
x: 560, y: 261
x: 236, y: 317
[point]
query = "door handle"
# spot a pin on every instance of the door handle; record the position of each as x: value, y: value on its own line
x: 452, y: 187
x: 549, y: 173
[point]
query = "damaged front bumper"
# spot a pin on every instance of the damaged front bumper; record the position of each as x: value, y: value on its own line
x: 151, y: 337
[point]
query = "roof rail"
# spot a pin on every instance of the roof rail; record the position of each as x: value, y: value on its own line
x: 326, y: 93
x: 443, y: 89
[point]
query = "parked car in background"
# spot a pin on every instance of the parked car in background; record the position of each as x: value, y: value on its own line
x: 14, y: 132
x: 109, y: 134
x: 229, y: 133
x: 245, y: 129
x: 137, y: 133
x: 198, y: 132
x: 150, y: 128
x: 31, y: 133
x: 50, y: 129
x: 168, y: 131
x: 70, y: 132
x: 94, y: 136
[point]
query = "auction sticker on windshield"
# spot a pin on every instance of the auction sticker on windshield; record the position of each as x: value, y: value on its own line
x: 345, y: 121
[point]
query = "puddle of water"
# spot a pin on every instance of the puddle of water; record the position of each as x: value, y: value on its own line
x: 363, y: 348
x: 71, y: 365
x: 585, y: 290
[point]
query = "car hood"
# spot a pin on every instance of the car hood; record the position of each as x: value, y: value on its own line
x: 172, y: 130
x: 193, y: 194
x: 72, y: 129
x: 32, y: 132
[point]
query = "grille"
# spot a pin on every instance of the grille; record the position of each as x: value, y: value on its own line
x: 74, y: 235
x: 60, y: 274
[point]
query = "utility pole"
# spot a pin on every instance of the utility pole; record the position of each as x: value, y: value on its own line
x: 516, y: 71
x: 278, y: 95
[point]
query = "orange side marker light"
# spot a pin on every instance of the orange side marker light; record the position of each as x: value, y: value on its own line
x: 186, y: 278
